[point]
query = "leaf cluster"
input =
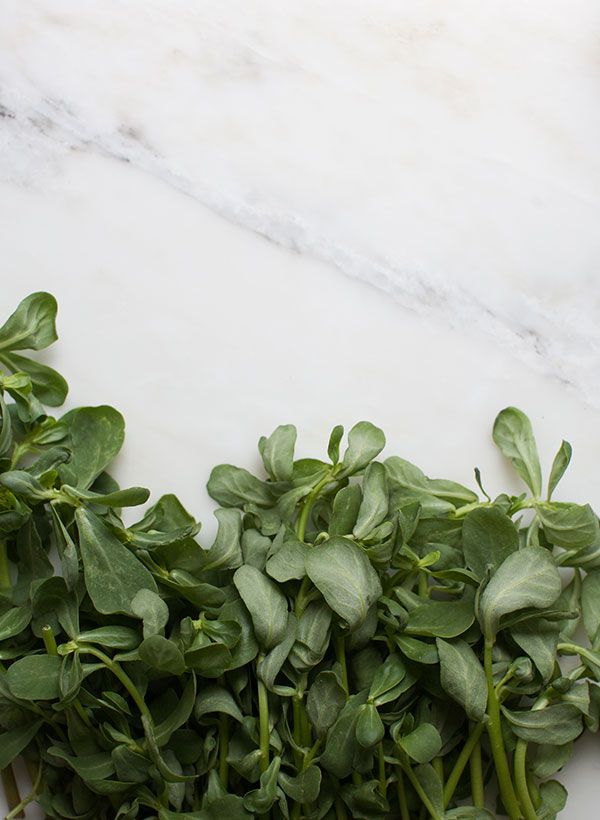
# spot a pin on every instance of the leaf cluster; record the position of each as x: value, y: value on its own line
x: 359, y: 641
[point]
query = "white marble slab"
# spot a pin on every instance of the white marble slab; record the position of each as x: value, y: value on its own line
x: 258, y: 213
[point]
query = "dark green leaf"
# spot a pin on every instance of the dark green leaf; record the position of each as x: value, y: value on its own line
x: 369, y: 727
x: 340, y: 749
x: 266, y: 604
x: 590, y: 605
x: 32, y: 325
x: 462, y: 677
x: 88, y: 767
x: 325, y: 700
x: 559, y: 465
x: 538, y: 638
x: 422, y: 744
x: 162, y: 654
x: 14, y: 621
x: 233, y: 487
x: 489, y: 536
x: 288, y: 562
x: 374, y: 506
x: 333, y: 447
x: 346, y: 505
x: 269, y: 667
x: 226, y: 552
x: 416, y: 486
x: 179, y: 715
x: 111, y: 591
x: 365, y: 442
x: 260, y: 800
x: 35, y: 677
x: 48, y: 385
x: 344, y: 576
x: 569, y: 525
x: 277, y: 452
x: 130, y: 497
x: 556, y: 724
x: 549, y: 759
x: 113, y: 637
x: 15, y: 740
x: 444, y: 619
x: 527, y: 578
x: 305, y: 787
x: 514, y: 436
x: 213, y: 698
x: 416, y: 650
x: 149, y: 606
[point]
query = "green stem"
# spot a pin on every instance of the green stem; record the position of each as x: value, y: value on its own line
x: 301, y: 597
x: 18, y: 809
x: 476, y: 772
x: 49, y: 640
x: 423, y: 589
x: 5, y: 580
x: 11, y: 791
x: 461, y: 762
x: 404, y: 813
x: 307, y: 506
x: 263, y: 719
x: 310, y: 756
x: 382, y: 777
x: 297, y: 717
x: 520, y: 766
x: 507, y: 790
x: 419, y: 789
x: 438, y: 765
x: 122, y: 676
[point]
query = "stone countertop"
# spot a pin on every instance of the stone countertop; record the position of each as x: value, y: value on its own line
x: 261, y: 213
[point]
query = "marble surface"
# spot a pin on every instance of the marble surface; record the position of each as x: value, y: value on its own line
x: 259, y: 213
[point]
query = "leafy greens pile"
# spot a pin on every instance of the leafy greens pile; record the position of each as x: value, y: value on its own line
x: 359, y: 640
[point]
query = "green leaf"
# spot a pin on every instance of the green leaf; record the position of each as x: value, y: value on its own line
x: 374, y: 506
x: 365, y: 442
x: 277, y: 452
x: 312, y: 638
x: 554, y: 798
x: 162, y: 654
x: 469, y: 813
x: 549, y: 759
x: 305, y: 787
x: 333, y: 447
x: 14, y: 621
x: 35, y: 677
x: 431, y: 785
x: 48, y: 385
x: 415, y: 486
x: 113, y: 575
x: 416, y: 650
x: 149, y: 606
x: 226, y: 552
x: 88, y: 767
x: 179, y: 715
x: 269, y: 667
x: 422, y: 744
x: 32, y: 325
x: 113, y: 637
x: 213, y: 698
x: 97, y: 435
x: 590, y: 605
x: 369, y: 726
x: 489, y: 536
x: 260, y: 800
x: 346, y: 505
x: 344, y: 576
x: 131, y: 497
x: 569, y: 525
x: 559, y: 465
x: 462, y: 677
x: 514, y: 436
x: 266, y: 604
x: 233, y: 487
x: 556, y: 724
x: 527, y: 578
x: 288, y: 562
x: 15, y: 740
x: 325, y: 701
x: 387, y: 677
x: 211, y: 660
x: 539, y: 639
x: 340, y: 749
x: 444, y: 619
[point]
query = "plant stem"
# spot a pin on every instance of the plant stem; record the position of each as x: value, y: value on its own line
x: 423, y: 589
x: 419, y: 790
x: 307, y: 506
x: 122, y: 676
x: 263, y: 719
x: 298, y: 740
x: 18, y: 809
x: 310, y: 756
x: 404, y: 813
x: 49, y: 640
x: 507, y: 790
x: 520, y: 766
x: 5, y: 580
x: 476, y: 772
x: 461, y: 762
x: 438, y: 765
x: 11, y: 791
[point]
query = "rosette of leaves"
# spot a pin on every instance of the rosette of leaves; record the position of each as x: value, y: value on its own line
x: 359, y: 641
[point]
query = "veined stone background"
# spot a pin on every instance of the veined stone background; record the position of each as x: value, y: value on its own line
x: 254, y: 213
